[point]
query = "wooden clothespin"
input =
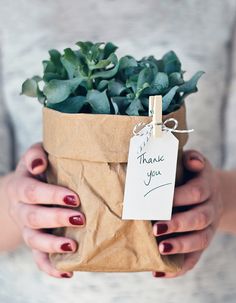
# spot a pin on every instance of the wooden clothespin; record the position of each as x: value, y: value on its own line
x: 155, y: 110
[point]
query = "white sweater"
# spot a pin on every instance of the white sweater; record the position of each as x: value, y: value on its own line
x: 202, y: 34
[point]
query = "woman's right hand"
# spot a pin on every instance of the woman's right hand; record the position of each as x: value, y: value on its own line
x: 29, y: 198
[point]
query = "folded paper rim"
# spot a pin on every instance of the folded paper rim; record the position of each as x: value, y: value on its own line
x: 67, y: 135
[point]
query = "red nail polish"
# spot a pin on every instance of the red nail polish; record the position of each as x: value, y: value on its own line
x: 76, y: 220
x: 167, y: 247
x: 70, y: 200
x: 65, y: 275
x: 36, y: 163
x: 66, y: 247
x: 159, y: 274
x: 161, y: 228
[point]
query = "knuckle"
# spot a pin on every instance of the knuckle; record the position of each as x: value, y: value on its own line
x: 55, y: 195
x: 196, y: 193
x: 176, y: 225
x: 32, y: 219
x: 53, y: 246
x: 30, y: 192
x: 58, y: 217
x: 30, y: 241
x: 202, y: 219
x: 179, y: 245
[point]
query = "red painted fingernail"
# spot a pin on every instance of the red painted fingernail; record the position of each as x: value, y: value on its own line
x: 159, y: 274
x: 70, y: 200
x: 167, y: 247
x: 66, y: 247
x: 161, y: 228
x: 76, y: 220
x: 36, y: 163
x: 65, y: 275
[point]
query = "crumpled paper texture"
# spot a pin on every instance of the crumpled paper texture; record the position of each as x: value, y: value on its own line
x: 88, y: 154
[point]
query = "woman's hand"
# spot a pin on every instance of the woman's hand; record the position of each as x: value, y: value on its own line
x: 29, y: 199
x: 197, y: 225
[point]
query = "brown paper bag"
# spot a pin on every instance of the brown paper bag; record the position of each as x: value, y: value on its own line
x: 88, y: 154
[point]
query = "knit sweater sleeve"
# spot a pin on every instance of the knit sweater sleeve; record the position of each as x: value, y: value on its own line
x: 230, y: 105
x: 6, y: 133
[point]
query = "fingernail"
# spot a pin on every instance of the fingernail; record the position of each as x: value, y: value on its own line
x: 161, y: 228
x: 70, y: 200
x: 66, y: 247
x: 166, y: 247
x: 197, y: 157
x: 65, y: 275
x: 76, y: 220
x: 36, y: 163
x: 159, y: 274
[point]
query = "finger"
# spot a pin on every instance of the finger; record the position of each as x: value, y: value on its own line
x: 193, y: 161
x: 48, y: 243
x: 193, y: 192
x: 190, y: 261
x: 196, y: 218
x: 32, y: 191
x: 43, y: 263
x: 191, y: 242
x: 36, y: 159
x: 39, y: 217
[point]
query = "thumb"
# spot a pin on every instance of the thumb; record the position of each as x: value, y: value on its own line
x: 193, y: 161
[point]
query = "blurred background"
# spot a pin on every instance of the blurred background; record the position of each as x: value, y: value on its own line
x: 202, y: 33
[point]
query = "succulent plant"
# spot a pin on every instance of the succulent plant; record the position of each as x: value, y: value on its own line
x: 92, y: 79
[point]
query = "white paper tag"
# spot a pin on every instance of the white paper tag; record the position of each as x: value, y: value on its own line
x: 150, y: 177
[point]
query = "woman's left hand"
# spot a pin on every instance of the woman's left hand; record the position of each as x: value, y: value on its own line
x: 198, y: 224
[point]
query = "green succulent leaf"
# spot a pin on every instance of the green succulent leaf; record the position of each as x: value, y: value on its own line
x: 58, y: 90
x: 191, y: 85
x: 70, y: 105
x: 91, y: 79
x: 122, y: 103
x: 98, y: 101
x: 160, y: 82
x: 176, y: 79
x: 110, y: 72
x: 49, y: 67
x: 103, y: 84
x: 134, y: 108
x: 55, y: 57
x: 171, y: 63
x: 166, y: 100
x: 127, y: 61
x: 144, y: 77
x: 70, y: 62
x: 29, y: 88
x: 109, y: 49
x: 115, y: 88
x: 159, y: 85
x: 115, y: 108
x: 50, y: 76
x: 85, y: 47
x: 102, y: 63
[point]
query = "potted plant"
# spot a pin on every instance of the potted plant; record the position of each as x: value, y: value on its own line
x: 92, y: 101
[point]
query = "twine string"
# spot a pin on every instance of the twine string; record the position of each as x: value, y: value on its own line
x: 137, y: 130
